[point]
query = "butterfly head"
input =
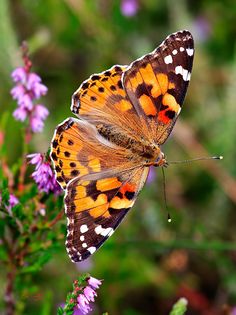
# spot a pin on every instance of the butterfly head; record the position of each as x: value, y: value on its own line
x: 160, y: 161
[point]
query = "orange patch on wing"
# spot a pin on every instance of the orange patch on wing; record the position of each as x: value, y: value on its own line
x: 127, y: 187
x: 108, y: 184
x: 149, y: 78
x: 163, y: 82
x: 81, y: 191
x: 171, y: 86
x: 119, y: 203
x: 135, y: 81
x: 123, y: 105
x: 170, y: 101
x: 94, y: 163
x: 100, y: 211
x: 88, y: 202
x: 147, y: 105
x: 163, y: 118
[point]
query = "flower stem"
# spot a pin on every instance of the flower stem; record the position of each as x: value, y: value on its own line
x: 27, y: 139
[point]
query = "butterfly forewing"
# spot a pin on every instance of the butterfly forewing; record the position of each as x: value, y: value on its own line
x: 157, y: 83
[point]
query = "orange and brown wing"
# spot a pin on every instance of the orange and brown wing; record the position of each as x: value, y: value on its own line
x: 95, y: 207
x: 102, y: 100
x: 156, y: 84
x: 77, y: 150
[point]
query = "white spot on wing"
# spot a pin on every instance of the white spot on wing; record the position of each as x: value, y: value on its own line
x: 189, y: 51
x: 168, y: 59
x: 82, y: 238
x: 104, y: 232
x: 84, y: 245
x: 185, y: 74
x: 181, y: 49
x: 92, y: 249
x: 174, y: 52
x: 83, y: 228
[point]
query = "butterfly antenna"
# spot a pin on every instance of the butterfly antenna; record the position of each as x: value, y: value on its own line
x: 197, y: 159
x: 164, y: 191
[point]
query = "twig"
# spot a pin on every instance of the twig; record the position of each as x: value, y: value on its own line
x: 56, y: 219
x: 9, y: 297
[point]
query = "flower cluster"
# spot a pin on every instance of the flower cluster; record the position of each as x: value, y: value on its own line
x: 27, y: 90
x: 129, y: 7
x: 43, y: 174
x: 87, y: 295
x: 78, y: 302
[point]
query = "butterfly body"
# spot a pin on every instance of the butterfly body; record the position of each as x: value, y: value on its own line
x: 102, y: 158
x: 140, y: 149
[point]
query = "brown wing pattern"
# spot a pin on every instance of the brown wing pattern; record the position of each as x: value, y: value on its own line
x: 95, y: 208
x: 157, y: 83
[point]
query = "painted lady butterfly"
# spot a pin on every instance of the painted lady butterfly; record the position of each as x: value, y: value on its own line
x: 102, y: 159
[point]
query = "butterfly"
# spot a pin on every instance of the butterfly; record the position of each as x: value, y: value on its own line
x: 102, y: 158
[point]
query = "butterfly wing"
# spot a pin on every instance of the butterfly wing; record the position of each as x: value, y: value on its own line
x: 77, y: 150
x: 102, y: 100
x: 96, y: 205
x: 156, y: 84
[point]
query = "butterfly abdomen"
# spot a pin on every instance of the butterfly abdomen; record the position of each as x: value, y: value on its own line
x: 141, y: 148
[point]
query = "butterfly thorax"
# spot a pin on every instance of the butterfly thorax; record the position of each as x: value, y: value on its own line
x: 142, y: 147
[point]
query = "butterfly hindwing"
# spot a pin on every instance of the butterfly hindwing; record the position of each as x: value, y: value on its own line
x: 95, y: 208
x: 157, y: 83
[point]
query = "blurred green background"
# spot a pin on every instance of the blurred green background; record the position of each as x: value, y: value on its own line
x: 148, y: 263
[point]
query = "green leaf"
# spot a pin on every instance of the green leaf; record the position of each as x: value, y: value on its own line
x: 5, y: 196
x: 180, y: 307
x: 18, y: 211
x: 60, y: 311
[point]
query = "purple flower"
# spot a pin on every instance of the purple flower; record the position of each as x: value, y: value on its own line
x: 83, y: 304
x: 233, y: 311
x: 94, y: 283
x: 89, y: 293
x: 26, y: 102
x: 201, y: 29
x: 43, y: 174
x: 129, y: 7
x: 82, y: 300
x: 85, y: 265
x: 19, y: 75
x: 12, y: 201
x: 20, y: 113
x: 151, y: 175
x: 17, y: 92
x: 38, y: 115
x: 29, y: 88
x: 36, y: 159
x: 77, y: 311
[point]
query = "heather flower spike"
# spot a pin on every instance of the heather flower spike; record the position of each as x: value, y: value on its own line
x: 83, y: 295
x: 28, y: 88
